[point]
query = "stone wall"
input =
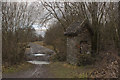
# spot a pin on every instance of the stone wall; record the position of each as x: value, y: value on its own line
x: 74, y: 47
x: 85, y: 42
x: 72, y: 50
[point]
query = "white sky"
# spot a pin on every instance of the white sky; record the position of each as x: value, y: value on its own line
x: 40, y: 30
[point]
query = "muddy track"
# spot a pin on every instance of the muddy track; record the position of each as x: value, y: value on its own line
x: 38, y: 71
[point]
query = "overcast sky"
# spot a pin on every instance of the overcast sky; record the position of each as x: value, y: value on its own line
x: 40, y: 30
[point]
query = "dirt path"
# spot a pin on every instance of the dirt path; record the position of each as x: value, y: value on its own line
x: 38, y: 71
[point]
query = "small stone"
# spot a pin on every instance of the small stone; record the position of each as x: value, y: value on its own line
x: 112, y: 63
x: 115, y: 62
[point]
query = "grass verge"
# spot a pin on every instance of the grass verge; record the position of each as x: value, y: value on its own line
x: 16, y: 68
x: 64, y: 70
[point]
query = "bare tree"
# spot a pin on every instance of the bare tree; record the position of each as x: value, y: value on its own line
x: 17, y: 21
x: 98, y: 14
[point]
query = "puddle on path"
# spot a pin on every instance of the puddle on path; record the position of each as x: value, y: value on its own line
x: 38, y: 54
x: 38, y: 62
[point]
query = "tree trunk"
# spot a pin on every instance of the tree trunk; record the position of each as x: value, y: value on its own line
x: 95, y: 39
x: 95, y: 25
x: 95, y: 44
x: 118, y: 46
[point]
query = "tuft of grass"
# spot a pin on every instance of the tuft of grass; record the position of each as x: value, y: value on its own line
x: 16, y: 68
x: 64, y: 70
x: 27, y: 49
x: 83, y: 75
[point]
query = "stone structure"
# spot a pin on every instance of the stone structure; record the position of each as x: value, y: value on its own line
x: 78, y: 40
